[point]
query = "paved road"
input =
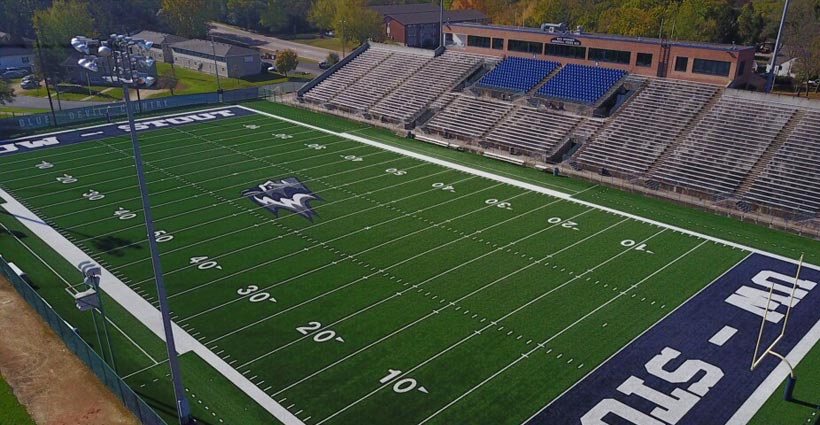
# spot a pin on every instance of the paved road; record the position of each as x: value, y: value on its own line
x: 317, y: 54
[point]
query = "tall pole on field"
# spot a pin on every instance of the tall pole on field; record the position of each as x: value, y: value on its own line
x: 118, y: 47
x: 776, y: 50
x: 441, y: 24
x: 45, y: 80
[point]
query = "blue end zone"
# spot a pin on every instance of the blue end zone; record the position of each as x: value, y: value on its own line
x: 693, y: 366
x: 10, y: 147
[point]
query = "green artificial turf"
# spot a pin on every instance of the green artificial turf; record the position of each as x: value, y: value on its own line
x: 402, y: 263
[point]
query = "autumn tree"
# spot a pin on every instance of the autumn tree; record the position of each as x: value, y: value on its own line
x: 6, y: 92
x: 802, y: 40
x: 286, y: 61
x: 189, y: 18
x: 55, y: 27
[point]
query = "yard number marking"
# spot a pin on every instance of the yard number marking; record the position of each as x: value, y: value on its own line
x: 93, y: 195
x: 66, y: 179
x: 323, y: 336
x: 353, y: 158
x: 124, y: 214
x: 162, y: 236
x: 282, y: 136
x: 258, y: 297
x: 395, y: 172
x: 567, y: 225
x: 251, y: 126
x: 499, y: 204
x: 204, y: 263
x: 445, y: 187
x: 402, y: 385
x: 316, y: 146
x: 44, y: 165
x: 630, y: 243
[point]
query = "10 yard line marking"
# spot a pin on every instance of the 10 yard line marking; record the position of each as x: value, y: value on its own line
x: 407, y: 290
x: 572, y: 325
x: 467, y: 338
x: 501, y: 279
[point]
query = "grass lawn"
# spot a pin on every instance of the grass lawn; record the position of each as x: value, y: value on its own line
x: 11, y: 411
x: 8, y: 110
x: 191, y: 82
x: 331, y: 43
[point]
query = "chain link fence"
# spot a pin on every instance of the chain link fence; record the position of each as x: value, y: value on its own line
x: 144, y: 413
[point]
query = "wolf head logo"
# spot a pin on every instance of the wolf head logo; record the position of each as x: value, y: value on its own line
x: 288, y: 194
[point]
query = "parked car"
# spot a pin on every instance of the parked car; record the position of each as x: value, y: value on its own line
x: 18, y: 73
x: 266, y: 67
x: 324, y: 65
x: 30, y: 84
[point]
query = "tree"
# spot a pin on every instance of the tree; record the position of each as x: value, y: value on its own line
x: 244, y: 13
x: 332, y: 58
x: 286, y: 61
x: 55, y: 27
x: 750, y: 24
x: 16, y: 17
x: 189, y: 18
x: 323, y: 14
x: 802, y: 40
x: 355, y: 22
x: 6, y: 92
x: 168, y: 80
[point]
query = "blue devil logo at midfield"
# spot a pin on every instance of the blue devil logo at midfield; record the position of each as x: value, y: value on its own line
x: 288, y: 194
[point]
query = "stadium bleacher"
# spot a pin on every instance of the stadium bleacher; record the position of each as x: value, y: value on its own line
x: 468, y: 117
x: 518, y: 74
x: 721, y: 150
x: 647, y: 126
x: 425, y: 86
x: 347, y: 75
x: 581, y: 83
x: 533, y: 130
x: 791, y: 181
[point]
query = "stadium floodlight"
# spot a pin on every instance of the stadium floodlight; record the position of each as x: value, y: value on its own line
x: 119, y: 48
x: 89, y: 64
x: 91, y: 299
x: 80, y: 44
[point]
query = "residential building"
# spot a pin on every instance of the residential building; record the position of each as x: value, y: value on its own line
x: 16, y: 56
x: 208, y: 57
x: 417, y: 25
x: 161, y: 50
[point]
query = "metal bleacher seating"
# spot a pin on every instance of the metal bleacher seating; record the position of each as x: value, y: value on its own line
x: 646, y: 126
x: 347, y: 75
x: 533, y: 130
x: 381, y: 80
x: 518, y: 74
x: 426, y: 85
x: 791, y: 181
x: 719, y: 152
x: 468, y: 117
x: 581, y: 83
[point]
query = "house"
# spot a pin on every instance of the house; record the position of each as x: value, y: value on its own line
x: 161, y: 50
x: 208, y: 57
x: 417, y: 25
x: 16, y: 56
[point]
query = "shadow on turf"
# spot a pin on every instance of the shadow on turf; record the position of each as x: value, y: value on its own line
x: 169, y: 409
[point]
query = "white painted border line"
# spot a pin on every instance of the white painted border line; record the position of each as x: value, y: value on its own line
x: 531, y: 187
x: 142, y: 309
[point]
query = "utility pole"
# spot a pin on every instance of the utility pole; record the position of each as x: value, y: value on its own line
x: 776, y: 50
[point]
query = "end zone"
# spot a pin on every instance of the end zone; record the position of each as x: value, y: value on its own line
x: 693, y: 366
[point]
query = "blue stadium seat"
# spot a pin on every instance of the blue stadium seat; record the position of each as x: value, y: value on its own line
x: 518, y: 74
x: 581, y: 83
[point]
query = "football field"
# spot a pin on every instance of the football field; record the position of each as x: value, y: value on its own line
x: 341, y: 282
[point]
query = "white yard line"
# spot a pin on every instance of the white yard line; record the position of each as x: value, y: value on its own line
x: 143, y: 310
x: 531, y: 187
x: 572, y: 325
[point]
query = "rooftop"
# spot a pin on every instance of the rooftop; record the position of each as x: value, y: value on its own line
x: 15, y: 50
x: 433, y: 17
x: 159, y: 38
x: 221, y: 49
x: 613, y: 37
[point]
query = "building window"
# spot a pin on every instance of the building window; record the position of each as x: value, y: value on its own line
x: 612, y: 56
x: 498, y: 43
x: 25, y: 59
x: 476, y: 41
x: 248, y: 59
x: 710, y: 67
x: 565, y: 51
x: 681, y: 64
x: 525, y: 46
x: 644, y: 59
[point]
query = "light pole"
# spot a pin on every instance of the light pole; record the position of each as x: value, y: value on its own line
x: 118, y: 47
x: 770, y: 79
